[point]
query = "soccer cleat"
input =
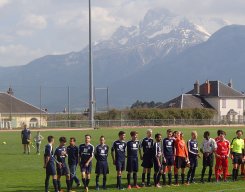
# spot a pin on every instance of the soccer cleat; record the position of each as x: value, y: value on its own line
x: 142, y: 184
x: 187, y: 183
x: 136, y: 187
x: 97, y: 188
x: 86, y: 189
x: 148, y: 185
x: 121, y: 188
x: 78, y: 185
x: 129, y: 187
x: 158, y: 185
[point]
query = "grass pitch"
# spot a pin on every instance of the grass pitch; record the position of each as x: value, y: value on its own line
x: 24, y: 173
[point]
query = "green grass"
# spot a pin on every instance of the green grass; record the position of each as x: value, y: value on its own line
x: 24, y: 173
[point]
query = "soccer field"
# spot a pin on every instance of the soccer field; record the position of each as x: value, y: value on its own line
x: 24, y: 173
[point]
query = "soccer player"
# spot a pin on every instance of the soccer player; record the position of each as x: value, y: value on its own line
x: 237, y: 153
x: 62, y: 168
x: 192, y: 146
x: 49, y: 164
x: 157, y: 159
x: 101, y: 154
x: 132, y: 159
x: 86, y: 154
x: 181, y: 157
x: 147, y: 163
x: 222, y: 153
x: 168, y: 156
x: 26, y: 138
x: 72, y: 151
x: 38, y: 140
x: 208, y: 148
x: 118, y: 153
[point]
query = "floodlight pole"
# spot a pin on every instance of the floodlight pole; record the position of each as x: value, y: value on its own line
x: 91, y: 75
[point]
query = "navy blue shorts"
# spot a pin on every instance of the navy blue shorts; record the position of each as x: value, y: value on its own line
x: 169, y: 161
x: 193, y: 161
x: 120, y: 165
x: 132, y: 164
x: 147, y: 162
x: 157, y: 168
x: 180, y: 162
x: 102, y: 167
x: 64, y: 170
x: 50, y: 169
x: 85, y: 169
x: 25, y: 141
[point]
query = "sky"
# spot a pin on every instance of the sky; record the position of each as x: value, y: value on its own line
x: 30, y: 29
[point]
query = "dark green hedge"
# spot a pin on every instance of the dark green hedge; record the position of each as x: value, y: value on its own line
x: 154, y: 113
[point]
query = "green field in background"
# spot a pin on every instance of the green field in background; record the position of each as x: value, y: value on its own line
x: 24, y: 173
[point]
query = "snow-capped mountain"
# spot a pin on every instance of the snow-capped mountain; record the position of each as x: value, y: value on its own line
x: 130, y: 50
x: 160, y: 33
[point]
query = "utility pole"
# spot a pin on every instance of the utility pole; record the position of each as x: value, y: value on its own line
x: 91, y: 75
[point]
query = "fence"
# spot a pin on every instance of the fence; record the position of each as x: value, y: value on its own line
x: 130, y: 123
x: 138, y: 123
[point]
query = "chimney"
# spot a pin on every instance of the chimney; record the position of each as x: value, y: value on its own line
x: 10, y: 91
x: 207, y: 88
x: 230, y: 83
x: 197, y: 88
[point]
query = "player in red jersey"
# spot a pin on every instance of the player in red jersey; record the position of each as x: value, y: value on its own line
x: 222, y: 154
x: 220, y: 171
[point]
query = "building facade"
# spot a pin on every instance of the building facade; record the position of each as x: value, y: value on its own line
x: 228, y: 102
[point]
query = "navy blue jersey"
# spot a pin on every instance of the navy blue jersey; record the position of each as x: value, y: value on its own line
x: 48, y: 152
x: 26, y: 133
x: 120, y: 149
x: 192, y: 147
x: 157, y: 152
x: 133, y: 148
x: 147, y: 145
x: 168, y: 147
x: 72, y: 152
x: 60, y: 154
x: 85, y: 152
x: 101, y: 152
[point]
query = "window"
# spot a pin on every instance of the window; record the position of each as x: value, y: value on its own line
x: 239, y: 103
x: 223, y: 103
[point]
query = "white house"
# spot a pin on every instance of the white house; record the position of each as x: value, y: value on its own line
x: 228, y: 102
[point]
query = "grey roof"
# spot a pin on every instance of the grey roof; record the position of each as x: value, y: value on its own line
x: 10, y: 104
x: 193, y: 100
x: 187, y: 101
x: 218, y: 89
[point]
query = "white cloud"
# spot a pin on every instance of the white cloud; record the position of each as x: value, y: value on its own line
x: 17, y: 54
x: 33, y: 21
x: 4, y: 2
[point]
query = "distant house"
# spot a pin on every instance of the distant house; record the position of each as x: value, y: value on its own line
x: 14, y: 112
x: 228, y: 102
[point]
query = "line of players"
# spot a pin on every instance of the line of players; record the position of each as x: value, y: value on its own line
x: 171, y: 152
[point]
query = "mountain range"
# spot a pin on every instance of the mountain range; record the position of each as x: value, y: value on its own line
x: 157, y: 59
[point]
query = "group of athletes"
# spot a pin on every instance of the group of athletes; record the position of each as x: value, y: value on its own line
x: 172, y: 152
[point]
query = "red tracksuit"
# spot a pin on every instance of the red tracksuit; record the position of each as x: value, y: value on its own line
x: 223, y: 148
